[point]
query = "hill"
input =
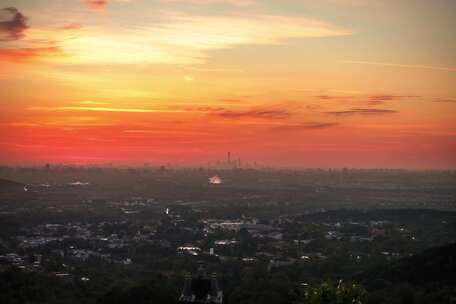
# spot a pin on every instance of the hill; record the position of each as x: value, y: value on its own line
x: 433, y: 267
x: 425, y: 278
x: 9, y: 185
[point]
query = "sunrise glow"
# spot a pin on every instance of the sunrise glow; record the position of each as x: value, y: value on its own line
x: 327, y: 83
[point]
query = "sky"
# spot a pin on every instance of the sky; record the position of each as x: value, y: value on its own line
x: 289, y: 83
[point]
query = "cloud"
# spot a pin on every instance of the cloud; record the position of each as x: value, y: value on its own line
x: 40, y: 42
x: 96, y: 5
x: 103, y: 109
x: 265, y: 113
x: 362, y: 111
x: 256, y: 113
x: 212, y: 70
x: 24, y: 124
x: 161, y: 131
x: 91, y: 102
x: 444, y: 100
x: 372, y: 99
x: 26, y: 54
x: 305, y: 126
x: 183, y: 38
x: 12, y: 24
x: 206, y: 109
x: 71, y: 26
x: 398, y: 65
x: 376, y: 99
x: 325, y: 97
x: 99, y: 5
x: 216, y: 32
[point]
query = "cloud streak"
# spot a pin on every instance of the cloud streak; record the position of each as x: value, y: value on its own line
x: 91, y: 102
x: 450, y: 100
x: 26, y: 54
x: 12, y: 24
x: 257, y: 114
x: 325, y: 97
x: 399, y: 65
x: 362, y: 111
x: 306, y: 126
x: 103, y: 109
x: 381, y: 98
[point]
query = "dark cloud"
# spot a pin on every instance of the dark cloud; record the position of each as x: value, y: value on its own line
x: 205, y: 109
x: 96, y: 5
x: 24, y: 54
x: 12, y: 24
x: 259, y: 113
x: 444, y: 100
x: 325, y: 97
x: 376, y: 99
x: 363, y: 111
x: 306, y: 126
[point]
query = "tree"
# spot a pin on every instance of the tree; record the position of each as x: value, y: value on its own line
x: 331, y: 293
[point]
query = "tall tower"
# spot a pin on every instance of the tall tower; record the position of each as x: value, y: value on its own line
x: 229, y: 157
x: 201, y: 289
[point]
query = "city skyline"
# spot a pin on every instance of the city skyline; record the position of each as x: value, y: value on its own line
x: 331, y: 83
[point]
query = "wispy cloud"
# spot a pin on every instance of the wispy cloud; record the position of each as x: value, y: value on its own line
x: 26, y: 54
x: 96, y: 5
x: 182, y: 38
x: 381, y: 98
x: 444, y: 100
x: 256, y: 113
x: 71, y: 26
x: 12, y: 24
x: 172, y: 38
x: 40, y: 43
x: 325, y: 97
x: 305, y: 126
x: 20, y: 124
x: 168, y: 131
x: 226, y: 30
x: 398, y: 65
x: 91, y: 102
x: 363, y: 111
x: 212, y: 70
x: 103, y: 109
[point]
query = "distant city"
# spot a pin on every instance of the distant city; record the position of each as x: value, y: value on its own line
x: 205, y: 232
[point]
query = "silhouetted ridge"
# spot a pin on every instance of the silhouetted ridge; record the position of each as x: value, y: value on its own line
x: 9, y: 185
x: 433, y: 267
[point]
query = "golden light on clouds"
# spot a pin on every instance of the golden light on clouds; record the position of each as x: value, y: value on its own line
x: 184, y: 39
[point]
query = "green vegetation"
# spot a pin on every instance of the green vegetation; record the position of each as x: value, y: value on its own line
x: 330, y: 292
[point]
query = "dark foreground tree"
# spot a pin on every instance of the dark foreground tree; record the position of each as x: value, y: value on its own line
x: 331, y: 292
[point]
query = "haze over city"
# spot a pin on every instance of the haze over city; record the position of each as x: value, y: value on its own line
x: 330, y: 83
x: 227, y: 151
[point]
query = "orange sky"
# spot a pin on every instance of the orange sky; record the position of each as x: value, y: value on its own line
x: 295, y: 83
